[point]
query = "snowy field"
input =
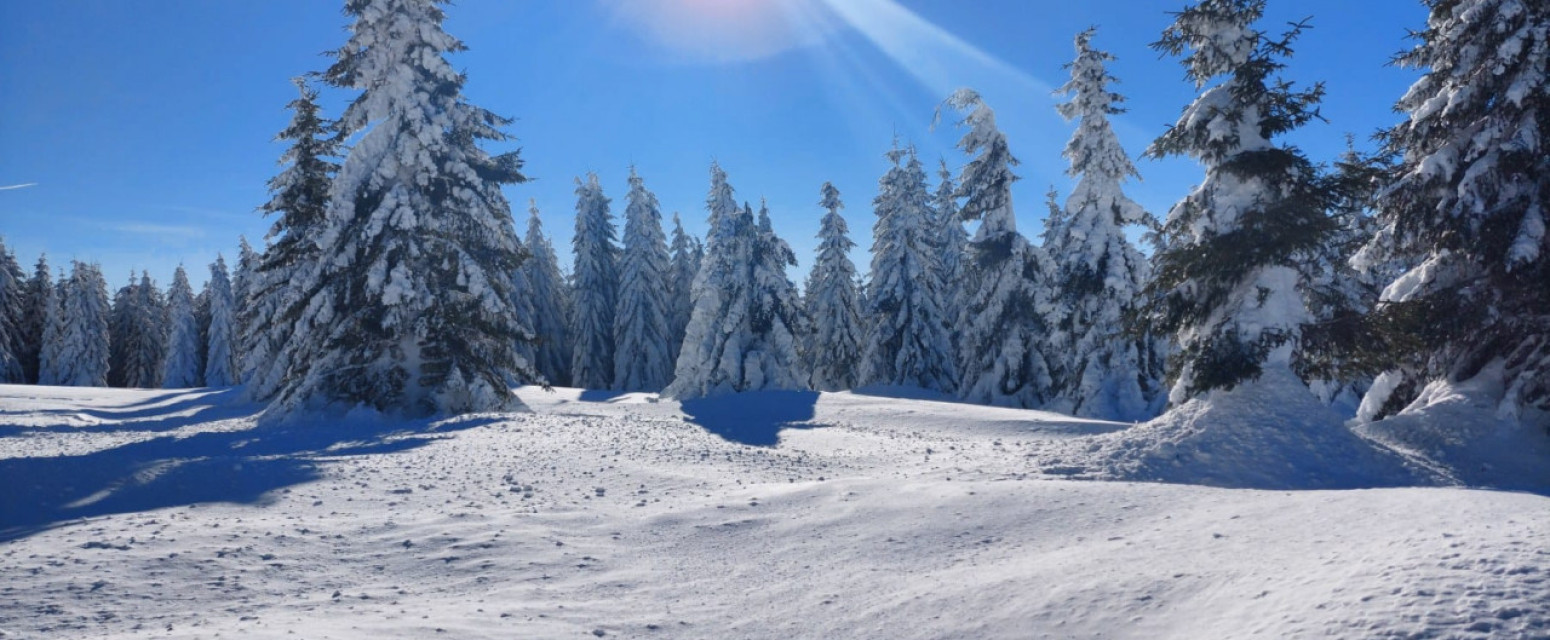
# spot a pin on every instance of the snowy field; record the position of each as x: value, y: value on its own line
x: 151, y: 514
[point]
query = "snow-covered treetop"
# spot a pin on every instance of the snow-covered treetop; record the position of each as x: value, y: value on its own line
x: 1095, y: 153
x: 986, y: 183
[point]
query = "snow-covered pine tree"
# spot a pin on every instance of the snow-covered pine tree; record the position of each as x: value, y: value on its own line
x: 121, y: 327
x: 550, y: 296
x: 299, y: 204
x: 13, y: 311
x: 412, y: 309
x: 740, y: 335
x: 642, y: 343
x: 594, y: 288
x: 1104, y: 373
x: 1231, y: 283
x: 243, y: 282
x: 907, y: 327
x: 1006, y: 301
x: 138, y: 335
x: 687, y: 254
x: 182, y: 368
x: 76, y: 349
x: 220, y: 354
x: 1469, y: 208
x: 952, y: 242
x: 834, y: 303
x: 40, y: 303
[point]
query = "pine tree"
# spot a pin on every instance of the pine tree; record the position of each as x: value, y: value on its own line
x: 833, y: 303
x: 740, y: 336
x: 1006, y: 303
x: 594, y: 288
x: 1232, y: 282
x: 121, y: 328
x: 40, y: 302
x: 411, y: 308
x: 1468, y: 208
x: 551, y: 352
x: 182, y: 367
x: 1098, y: 273
x: 243, y: 282
x: 76, y: 347
x: 643, y: 360
x: 687, y: 254
x: 299, y: 202
x: 138, y: 335
x: 952, y: 240
x: 220, y: 356
x: 907, y: 341
x: 13, y: 311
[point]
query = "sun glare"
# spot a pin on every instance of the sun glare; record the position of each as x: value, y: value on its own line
x: 721, y: 31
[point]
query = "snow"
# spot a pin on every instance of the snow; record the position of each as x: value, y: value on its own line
x: 134, y: 514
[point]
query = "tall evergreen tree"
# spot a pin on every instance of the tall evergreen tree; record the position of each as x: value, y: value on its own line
x: 1232, y: 282
x: 13, y: 311
x: 76, y: 349
x: 594, y: 288
x: 952, y: 241
x: 299, y: 204
x: 121, y: 327
x: 907, y: 341
x: 1098, y: 273
x: 551, y: 353
x: 138, y: 335
x: 40, y: 302
x: 1469, y: 207
x: 182, y: 367
x: 243, y: 282
x: 834, y: 303
x: 687, y: 254
x: 220, y: 354
x: 738, y: 338
x: 1006, y: 303
x: 411, y: 308
x: 778, y: 318
x: 642, y: 357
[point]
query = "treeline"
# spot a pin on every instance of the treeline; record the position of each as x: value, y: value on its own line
x: 395, y: 278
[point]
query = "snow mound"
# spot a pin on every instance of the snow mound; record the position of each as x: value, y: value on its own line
x: 1266, y: 434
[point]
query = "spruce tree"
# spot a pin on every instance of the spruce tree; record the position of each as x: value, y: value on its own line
x: 1468, y: 208
x: 411, y: 308
x: 1104, y: 373
x: 551, y: 304
x: 687, y: 254
x: 952, y: 242
x: 907, y: 340
x: 740, y: 335
x: 299, y: 204
x: 121, y: 328
x: 220, y: 354
x: 1006, y: 302
x: 834, y: 303
x: 643, y: 360
x: 1231, y: 283
x: 594, y: 288
x: 138, y: 335
x: 182, y: 367
x: 243, y: 282
x: 40, y: 302
x: 13, y: 311
x: 76, y: 347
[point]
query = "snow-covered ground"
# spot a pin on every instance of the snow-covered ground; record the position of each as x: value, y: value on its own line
x: 129, y: 514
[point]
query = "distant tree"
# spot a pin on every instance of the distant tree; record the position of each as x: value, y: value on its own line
x: 551, y: 353
x: 952, y: 245
x: 13, y: 318
x: 76, y: 349
x: 1104, y: 373
x: 299, y: 204
x: 834, y: 303
x: 1007, y: 302
x: 907, y: 340
x: 244, y: 280
x: 121, y: 325
x: 220, y: 356
x: 138, y: 335
x: 594, y: 288
x: 688, y: 252
x: 1232, y: 282
x: 778, y: 320
x: 40, y: 303
x: 1468, y: 208
x: 182, y: 367
x: 411, y: 308
x: 642, y: 357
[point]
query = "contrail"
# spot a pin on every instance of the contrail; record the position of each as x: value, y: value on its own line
x: 18, y: 186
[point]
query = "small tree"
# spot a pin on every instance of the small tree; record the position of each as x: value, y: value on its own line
x: 13, y: 318
x: 642, y: 357
x: 594, y: 288
x: 551, y: 353
x: 40, y: 303
x: 182, y: 367
x: 220, y: 356
x: 834, y: 303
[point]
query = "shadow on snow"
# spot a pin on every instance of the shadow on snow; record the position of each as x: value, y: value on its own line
x: 240, y: 466
x: 753, y: 419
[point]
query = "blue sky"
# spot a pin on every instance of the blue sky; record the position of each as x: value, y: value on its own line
x: 145, y: 128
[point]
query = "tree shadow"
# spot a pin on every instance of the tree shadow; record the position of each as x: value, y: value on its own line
x: 241, y: 466
x: 601, y: 395
x: 164, y: 412
x: 754, y: 419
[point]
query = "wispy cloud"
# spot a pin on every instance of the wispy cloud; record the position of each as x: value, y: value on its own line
x: 10, y: 187
x: 146, y: 228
